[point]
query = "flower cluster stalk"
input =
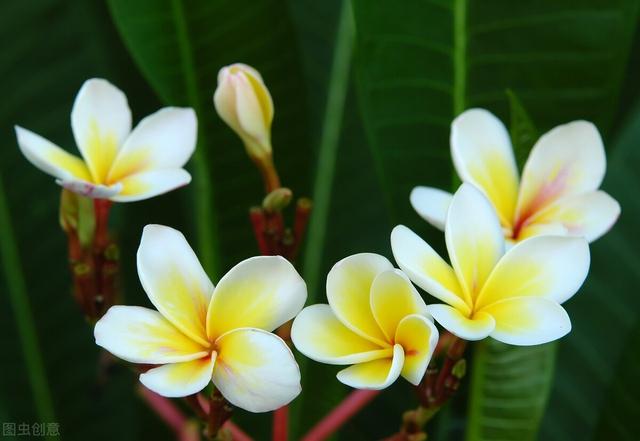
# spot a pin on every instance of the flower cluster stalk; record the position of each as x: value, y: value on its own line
x: 93, y: 254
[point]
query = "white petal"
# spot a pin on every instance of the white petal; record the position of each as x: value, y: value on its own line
x: 477, y: 328
x: 164, y: 139
x: 543, y: 266
x: 418, y: 337
x: 482, y: 154
x: 100, y: 120
x: 141, y: 335
x: 349, y: 289
x: 256, y: 370
x: 474, y: 238
x: 174, y: 280
x: 319, y: 335
x: 425, y: 268
x: 589, y: 214
x: 50, y: 158
x: 151, y: 183
x: 568, y: 160
x: 376, y: 374
x: 180, y: 379
x: 431, y: 204
x: 393, y: 297
x: 526, y: 321
x: 260, y: 292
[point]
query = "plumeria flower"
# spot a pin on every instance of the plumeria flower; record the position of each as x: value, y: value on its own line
x: 375, y: 321
x: 513, y: 297
x: 558, y: 192
x: 117, y: 163
x: 200, y: 333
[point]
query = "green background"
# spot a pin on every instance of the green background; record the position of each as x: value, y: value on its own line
x: 364, y: 94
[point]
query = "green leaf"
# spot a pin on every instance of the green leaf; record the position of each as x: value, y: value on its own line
x: 595, y: 395
x: 421, y: 64
x: 16, y: 288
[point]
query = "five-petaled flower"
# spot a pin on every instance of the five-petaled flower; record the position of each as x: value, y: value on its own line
x: 375, y: 321
x: 118, y: 164
x: 513, y: 297
x: 201, y: 333
x: 558, y: 193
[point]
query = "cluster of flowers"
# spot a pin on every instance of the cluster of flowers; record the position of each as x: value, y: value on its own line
x: 518, y: 248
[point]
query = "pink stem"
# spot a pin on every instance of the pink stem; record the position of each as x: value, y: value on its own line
x: 280, y: 424
x: 236, y: 433
x: 167, y: 411
x: 352, y: 404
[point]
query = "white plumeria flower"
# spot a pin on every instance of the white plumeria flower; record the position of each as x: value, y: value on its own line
x: 201, y: 333
x: 513, y: 297
x: 375, y: 321
x: 558, y: 192
x: 117, y: 163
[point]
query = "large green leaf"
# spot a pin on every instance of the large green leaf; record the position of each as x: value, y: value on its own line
x: 50, y: 362
x: 596, y: 390
x: 421, y: 63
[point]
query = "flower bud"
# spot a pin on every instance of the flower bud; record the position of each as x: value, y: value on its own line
x: 243, y: 101
x: 277, y: 200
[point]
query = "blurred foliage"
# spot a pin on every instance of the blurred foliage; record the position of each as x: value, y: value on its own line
x: 363, y: 101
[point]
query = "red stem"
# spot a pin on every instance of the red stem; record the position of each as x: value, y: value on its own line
x: 352, y: 404
x: 165, y: 409
x: 280, y: 424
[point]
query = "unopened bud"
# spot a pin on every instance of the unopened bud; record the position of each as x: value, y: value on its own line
x: 277, y: 200
x: 243, y: 102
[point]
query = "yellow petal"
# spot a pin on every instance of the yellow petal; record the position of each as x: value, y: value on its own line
x: 255, y: 370
x: 141, y: 335
x: 526, y: 321
x: 426, y: 269
x: 260, y: 292
x: 474, y: 239
x: 151, y: 183
x: 163, y: 140
x: 349, y: 289
x: 50, y: 158
x: 482, y: 154
x: 319, y: 335
x: 475, y: 328
x: 101, y: 120
x: 377, y: 374
x: 418, y: 337
x: 174, y: 280
x: 180, y: 379
x: 589, y: 214
x: 543, y: 266
x: 393, y: 297
x: 568, y: 160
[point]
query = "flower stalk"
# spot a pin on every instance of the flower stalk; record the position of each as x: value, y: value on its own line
x: 93, y: 254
